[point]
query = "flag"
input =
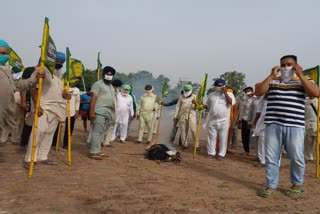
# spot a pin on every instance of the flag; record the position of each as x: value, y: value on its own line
x: 74, y: 70
x: 48, y: 48
x: 165, y: 89
x: 313, y: 73
x: 201, y: 93
x: 15, y: 62
x: 99, y: 67
x: 99, y: 63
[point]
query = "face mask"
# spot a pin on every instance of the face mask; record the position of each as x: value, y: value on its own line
x: 4, y: 59
x: 58, y: 66
x: 219, y: 90
x: 187, y: 93
x: 107, y: 77
x: 287, y: 73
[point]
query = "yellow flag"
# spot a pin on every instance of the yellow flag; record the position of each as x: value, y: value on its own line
x: 15, y: 62
x: 48, y: 48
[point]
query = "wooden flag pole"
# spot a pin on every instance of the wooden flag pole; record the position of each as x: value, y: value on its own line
x: 58, y: 137
x: 69, y: 125
x: 160, y: 116
x: 35, y: 123
x: 197, y: 135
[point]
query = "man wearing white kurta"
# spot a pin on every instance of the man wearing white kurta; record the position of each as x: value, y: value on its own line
x: 124, y: 112
x: 52, y: 110
x: 185, y: 115
x: 218, y: 118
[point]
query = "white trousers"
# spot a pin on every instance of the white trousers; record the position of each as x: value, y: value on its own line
x: 221, y: 129
x: 123, y: 127
x: 47, y: 125
x: 108, y: 135
x: 261, y: 150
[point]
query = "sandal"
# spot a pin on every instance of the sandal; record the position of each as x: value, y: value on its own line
x: 102, y: 154
x: 294, y: 193
x: 47, y: 162
x: 265, y: 193
x: 95, y: 156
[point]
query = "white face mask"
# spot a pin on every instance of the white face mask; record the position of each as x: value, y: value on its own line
x: 107, y: 77
x: 187, y: 93
x: 287, y: 73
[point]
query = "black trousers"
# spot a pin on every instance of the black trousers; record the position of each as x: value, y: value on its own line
x: 65, y: 138
x: 245, y: 135
x: 25, y: 135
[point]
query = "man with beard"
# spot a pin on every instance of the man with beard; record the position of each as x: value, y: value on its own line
x: 102, y: 111
x: 218, y: 118
x: 124, y: 113
x: 185, y: 115
x: 52, y: 111
x: 146, y: 111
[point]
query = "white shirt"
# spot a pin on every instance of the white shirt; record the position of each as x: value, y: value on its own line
x: 124, y: 108
x: 218, y: 109
x: 75, y: 101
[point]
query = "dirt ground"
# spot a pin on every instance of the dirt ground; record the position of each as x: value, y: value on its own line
x: 125, y: 182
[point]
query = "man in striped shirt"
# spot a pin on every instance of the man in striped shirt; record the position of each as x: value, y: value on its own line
x: 284, y: 122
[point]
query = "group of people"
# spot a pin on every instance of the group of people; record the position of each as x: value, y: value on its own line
x: 276, y: 116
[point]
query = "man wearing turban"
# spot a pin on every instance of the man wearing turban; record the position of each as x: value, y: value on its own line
x: 124, y: 113
x: 185, y: 115
x: 52, y: 110
x: 8, y: 86
x: 102, y: 111
x: 218, y: 119
x: 145, y: 113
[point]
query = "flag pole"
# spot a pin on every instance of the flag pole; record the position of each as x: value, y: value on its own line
x: 197, y: 135
x: 35, y: 123
x: 68, y: 104
x: 160, y: 116
x: 58, y: 137
x: 69, y: 125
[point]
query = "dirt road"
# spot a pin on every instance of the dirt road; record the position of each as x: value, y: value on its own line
x: 127, y: 183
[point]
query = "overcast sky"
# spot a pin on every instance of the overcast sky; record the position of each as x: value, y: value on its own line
x: 178, y: 38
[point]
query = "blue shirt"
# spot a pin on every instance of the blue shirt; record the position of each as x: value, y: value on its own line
x: 85, y: 97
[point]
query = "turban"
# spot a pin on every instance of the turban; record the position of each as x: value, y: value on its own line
x: 126, y: 87
x: 116, y: 83
x: 219, y: 81
x: 246, y: 88
x: 230, y: 90
x: 4, y: 44
x: 108, y: 69
x: 148, y: 87
x: 61, y: 57
x: 187, y: 87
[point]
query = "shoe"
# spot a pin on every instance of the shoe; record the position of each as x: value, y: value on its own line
x: 219, y: 158
x: 26, y: 165
x: 47, y: 162
x: 95, y: 156
x: 265, y: 193
x: 138, y: 142
x: 148, y: 142
x: 294, y: 193
x: 210, y: 156
x: 122, y: 141
x: 259, y: 165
